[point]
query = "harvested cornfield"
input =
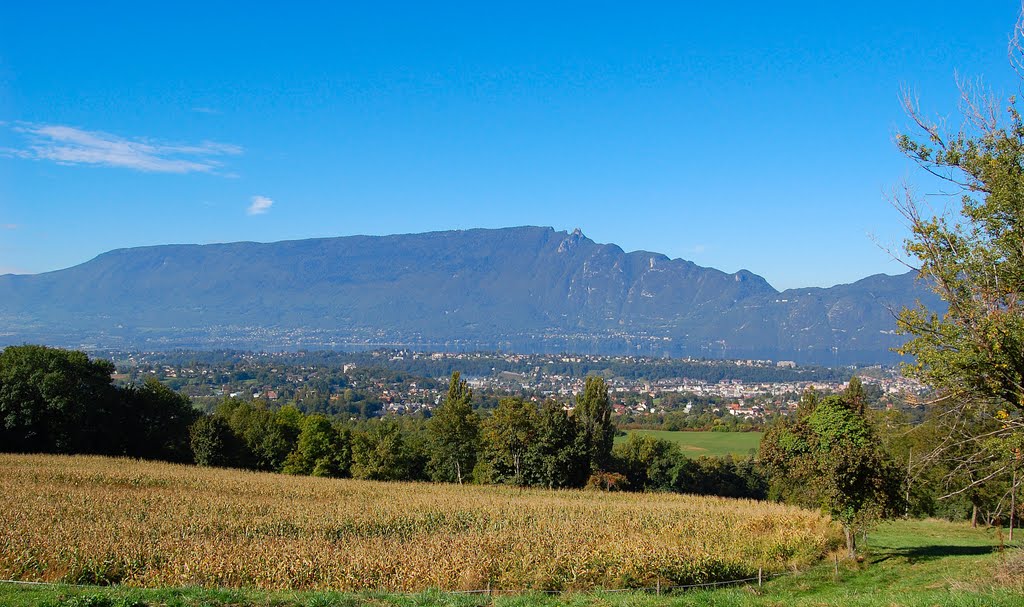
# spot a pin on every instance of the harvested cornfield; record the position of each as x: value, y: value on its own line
x: 102, y: 520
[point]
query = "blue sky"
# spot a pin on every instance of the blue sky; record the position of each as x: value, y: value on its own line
x: 748, y: 135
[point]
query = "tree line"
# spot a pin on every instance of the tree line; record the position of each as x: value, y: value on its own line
x: 60, y: 401
x: 519, y: 443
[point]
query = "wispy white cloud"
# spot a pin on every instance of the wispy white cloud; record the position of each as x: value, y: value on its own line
x: 260, y: 205
x: 71, y: 145
x: 9, y: 226
x: 205, y: 110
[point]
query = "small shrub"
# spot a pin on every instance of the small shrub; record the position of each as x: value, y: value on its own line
x: 1010, y: 572
x: 607, y: 481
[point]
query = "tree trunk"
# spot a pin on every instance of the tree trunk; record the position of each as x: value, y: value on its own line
x: 974, y: 518
x: 1013, y: 503
x: 851, y: 541
x: 458, y: 471
x: 910, y: 480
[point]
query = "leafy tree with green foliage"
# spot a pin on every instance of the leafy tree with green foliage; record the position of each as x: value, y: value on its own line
x: 269, y: 436
x: 242, y: 417
x: 153, y: 422
x: 555, y: 456
x: 594, y: 414
x: 974, y: 261
x: 830, y: 457
x: 55, y: 401
x: 935, y: 480
x: 971, y: 255
x: 322, y: 450
x: 214, y: 443
x: 278, y: 435
x: 647, y: 462
x: 283, y: 438
x: 721, y: 476
x: 507, y: 438
x: 454, y: 434
x: 383, y: 453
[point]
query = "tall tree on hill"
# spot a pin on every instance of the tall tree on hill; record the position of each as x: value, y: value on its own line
x: 594, y: 414
x: 971, y: 255
x: 830, y: 457
x: 555, y: 453
x: 855, y: 395
x: 454, y: 434
x: 508, y: 437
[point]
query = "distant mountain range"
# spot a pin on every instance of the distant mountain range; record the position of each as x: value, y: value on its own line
x: 524, y: 289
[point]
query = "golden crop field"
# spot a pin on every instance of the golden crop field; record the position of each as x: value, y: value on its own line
x: 102, y: 520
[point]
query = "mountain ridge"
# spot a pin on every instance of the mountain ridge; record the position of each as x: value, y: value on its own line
x: 528, y: 288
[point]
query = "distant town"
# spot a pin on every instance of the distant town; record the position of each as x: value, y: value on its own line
x: 396, y: 382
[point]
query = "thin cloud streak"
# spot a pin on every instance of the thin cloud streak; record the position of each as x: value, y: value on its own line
x: 74, y: 146
x: 259, y: 206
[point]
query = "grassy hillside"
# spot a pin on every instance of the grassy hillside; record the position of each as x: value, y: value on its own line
x: 92, y: 520
x: 716, y: 444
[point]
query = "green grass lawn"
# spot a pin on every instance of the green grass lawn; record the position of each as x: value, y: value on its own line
x: 715, y: 444
x: 912, y: 563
